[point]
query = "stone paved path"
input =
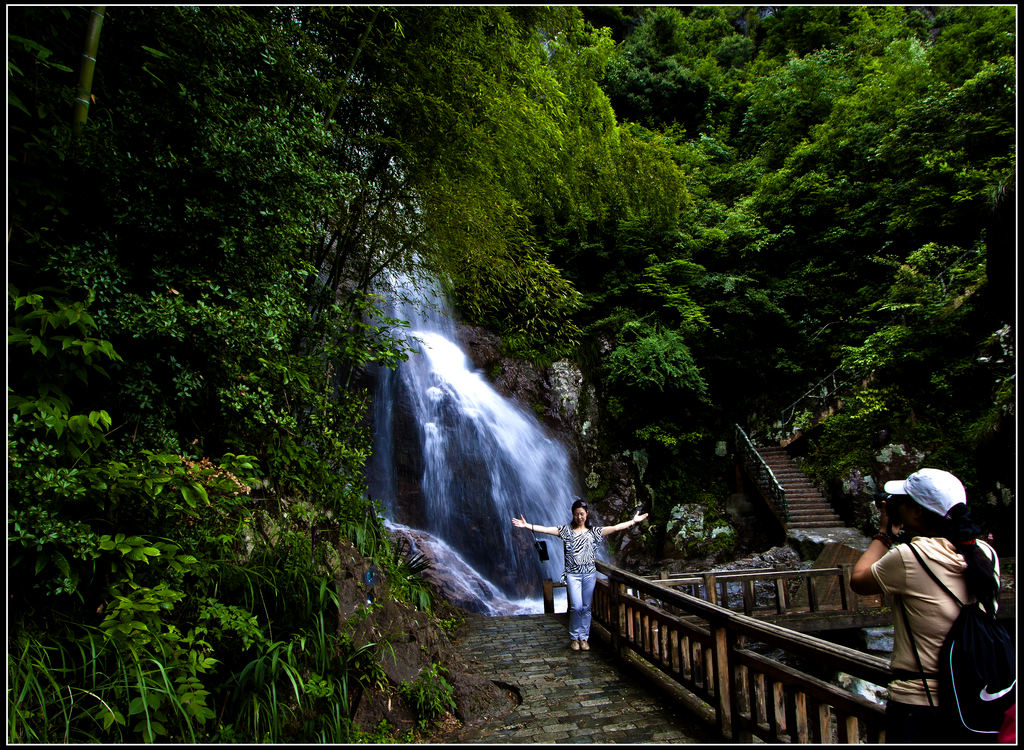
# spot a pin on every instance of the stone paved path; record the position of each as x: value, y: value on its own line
x: 567, y: 696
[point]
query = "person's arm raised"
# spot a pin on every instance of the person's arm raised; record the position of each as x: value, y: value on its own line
x: 624, y: 525
x: 521, y: 523
x: 861, y: 579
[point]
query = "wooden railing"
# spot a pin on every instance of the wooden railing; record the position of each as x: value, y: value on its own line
x: 808, y: 599
x: 762, y: 474
x: 811, y: 599
x: 707, y: 649
x: 810, y: 591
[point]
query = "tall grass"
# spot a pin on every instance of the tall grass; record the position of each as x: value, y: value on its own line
x: 252, y: 655
x: 301, y: 689
x: 79, y: 689
x: 75, y: 684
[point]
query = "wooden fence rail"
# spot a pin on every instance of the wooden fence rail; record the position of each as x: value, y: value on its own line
x: 710, y: 651
x: 682, y: 627
x: 813, y: 599
x: 821, y: 588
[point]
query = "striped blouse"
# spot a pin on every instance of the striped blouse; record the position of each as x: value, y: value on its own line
x: 580, y: 549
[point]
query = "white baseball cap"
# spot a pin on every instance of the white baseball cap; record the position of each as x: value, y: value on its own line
x: 934, y: 489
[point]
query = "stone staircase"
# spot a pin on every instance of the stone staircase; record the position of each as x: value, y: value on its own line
x: 808, y: 509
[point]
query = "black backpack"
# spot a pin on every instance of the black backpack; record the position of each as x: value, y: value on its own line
x: 977, y: 668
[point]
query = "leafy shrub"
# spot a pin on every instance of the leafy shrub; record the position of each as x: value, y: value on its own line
x: 430, y: 694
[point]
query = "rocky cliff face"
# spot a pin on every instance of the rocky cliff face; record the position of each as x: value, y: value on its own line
x: 567, y: 406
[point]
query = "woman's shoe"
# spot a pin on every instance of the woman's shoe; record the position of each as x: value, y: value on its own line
x: 575, y: 645
x: 584, y: 646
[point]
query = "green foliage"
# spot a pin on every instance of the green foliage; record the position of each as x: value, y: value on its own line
x: 667, y: 70
x: 402, y: 567
x: 301, y: 689
x: 954, y: 145
x: 430, y: 694
x: 939, y: 379
x: 176, y: 310
x: 55, y: 356
x: 405, y: 578
x: 86, y: 687
x: 846, y: 440
x: 789, y: 101
x: 839, y: 163
x: 925, y: 310
x: 970, y: 38
x: 649, y: 358
x: 710, y: 210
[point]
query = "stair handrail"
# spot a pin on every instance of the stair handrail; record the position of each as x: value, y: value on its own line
x: 821, y: 391
x: 816, y: 391
x: 762, y: 474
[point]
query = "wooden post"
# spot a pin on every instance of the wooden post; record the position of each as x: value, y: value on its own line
x: 849, y: 596
x: 665, y: 633
x: 743, y: 700
x: 686, y: 666
x: 710, y: 588
x: 759, y: 699
x: 549, y: 596
x: 722, y: 678
x: 748, y: 597
x: 778, y: 719
x: 849, y: 730
x: 823, y: 723
x: 801, y: 728
x: 618, y: 613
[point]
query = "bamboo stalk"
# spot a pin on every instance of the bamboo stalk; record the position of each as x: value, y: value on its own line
x: 88, y: 67
x: 352, y: 64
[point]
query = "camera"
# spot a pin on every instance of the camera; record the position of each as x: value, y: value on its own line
x: 891, y: 502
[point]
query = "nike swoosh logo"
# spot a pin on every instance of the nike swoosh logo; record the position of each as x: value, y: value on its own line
x: 985, y: 695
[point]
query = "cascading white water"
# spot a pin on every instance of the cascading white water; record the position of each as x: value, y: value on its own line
x: 455, y: 459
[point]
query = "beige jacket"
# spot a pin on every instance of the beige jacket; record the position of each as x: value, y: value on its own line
x: 930, y: 609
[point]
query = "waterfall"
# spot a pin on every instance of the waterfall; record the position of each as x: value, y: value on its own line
x: 456, y: 460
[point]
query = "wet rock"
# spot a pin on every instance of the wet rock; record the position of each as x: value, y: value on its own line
x: 566, y: 405
x: 376, y: 706
x: 878, y: 640
x: 567, y: 386
x: 810, y: 543
x: 690, y: 531
x: 874, y: 693
x: 512, y: 378
x: 455, y: 580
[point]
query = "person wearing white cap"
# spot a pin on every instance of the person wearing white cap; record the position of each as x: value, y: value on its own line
x: 930, y: 509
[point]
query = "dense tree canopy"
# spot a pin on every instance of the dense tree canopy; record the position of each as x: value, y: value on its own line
x: 709, y: 208
x: 828, y: 152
